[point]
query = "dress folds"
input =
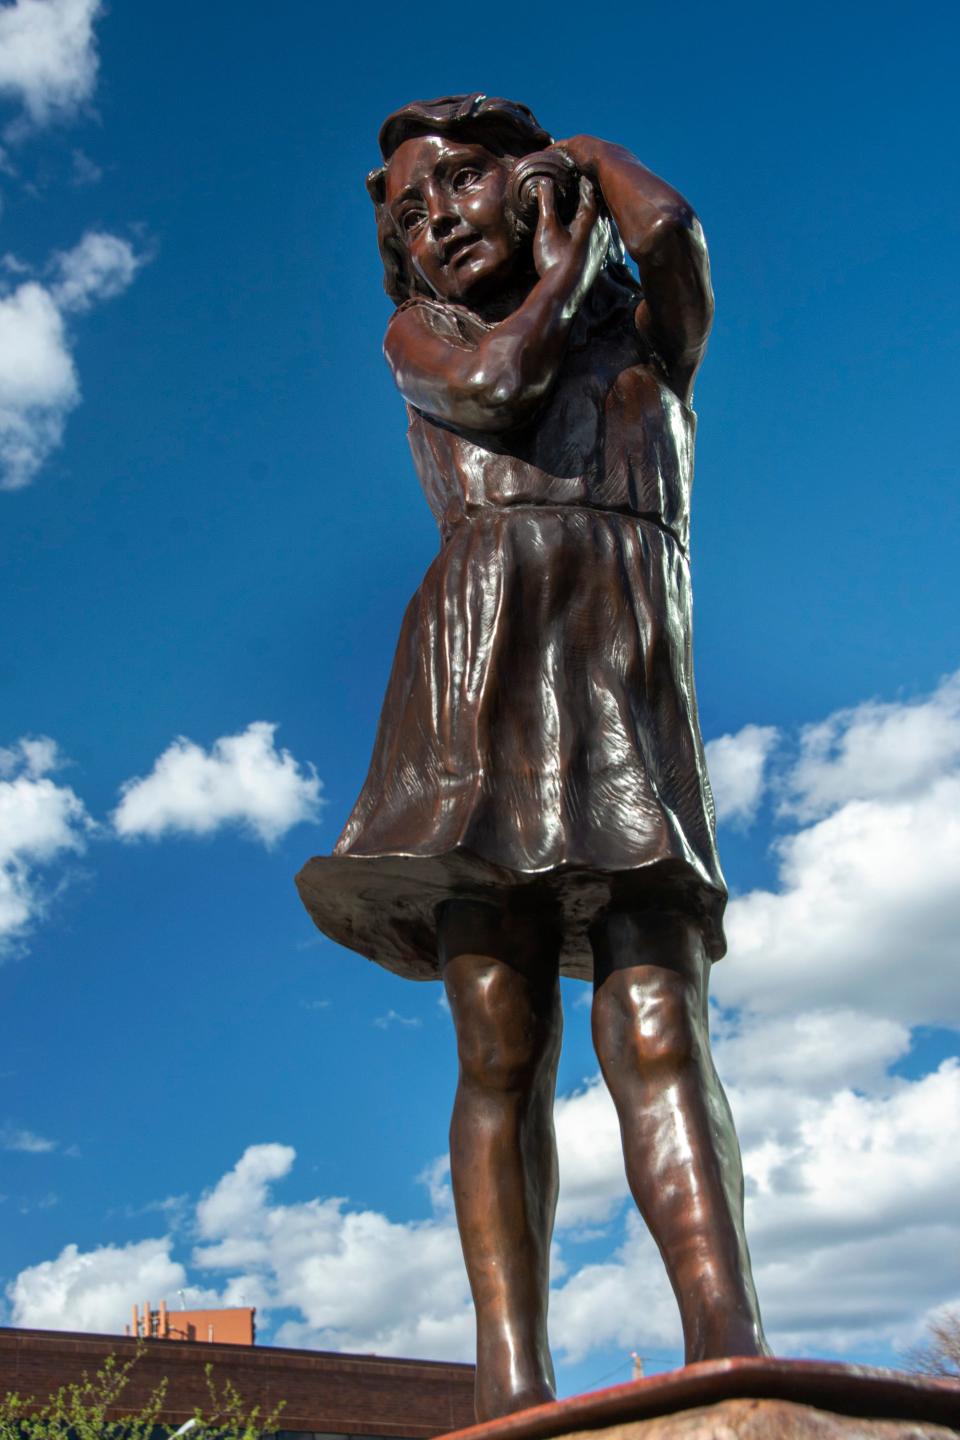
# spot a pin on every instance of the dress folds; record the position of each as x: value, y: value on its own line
x: 539, y: 735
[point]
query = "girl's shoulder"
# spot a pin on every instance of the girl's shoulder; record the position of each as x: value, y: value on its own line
x: 453, y: 322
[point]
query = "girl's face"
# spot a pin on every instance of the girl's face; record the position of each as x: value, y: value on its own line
x: 447, y: 202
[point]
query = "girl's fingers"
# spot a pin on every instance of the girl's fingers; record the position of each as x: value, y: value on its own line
x: 588, y: 196
x: 546, y: 198
x: 587, y: 209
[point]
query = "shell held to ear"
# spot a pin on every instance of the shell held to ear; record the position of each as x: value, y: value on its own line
x: 543, y: 165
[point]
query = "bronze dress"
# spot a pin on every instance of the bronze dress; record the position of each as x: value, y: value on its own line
x: 539, y: 734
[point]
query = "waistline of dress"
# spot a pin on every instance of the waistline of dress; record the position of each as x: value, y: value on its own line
x: 470, y: 513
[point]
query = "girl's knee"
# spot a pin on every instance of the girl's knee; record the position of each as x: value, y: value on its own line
x: 507, y: 1033
x: 646, y: 1019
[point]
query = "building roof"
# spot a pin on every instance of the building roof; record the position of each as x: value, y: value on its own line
x: 325, y: 1391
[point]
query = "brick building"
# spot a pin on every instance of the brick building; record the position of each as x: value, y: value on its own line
x: 328, y: 1396
x: 229, y: 1327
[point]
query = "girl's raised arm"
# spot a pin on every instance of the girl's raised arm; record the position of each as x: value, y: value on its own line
x: 663, y: 235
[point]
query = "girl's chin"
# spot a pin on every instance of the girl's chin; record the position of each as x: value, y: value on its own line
x: 483, y: 284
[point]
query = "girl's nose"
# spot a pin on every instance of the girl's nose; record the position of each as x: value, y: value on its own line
x: 442, y: 219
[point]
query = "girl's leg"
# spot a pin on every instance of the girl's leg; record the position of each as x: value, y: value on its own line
x: 501, y: 976
x: 682, y: 1158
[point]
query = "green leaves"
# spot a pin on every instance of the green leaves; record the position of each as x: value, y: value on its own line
x: 92, y: 1408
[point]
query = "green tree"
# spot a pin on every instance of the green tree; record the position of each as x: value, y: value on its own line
x: 86, y: 1409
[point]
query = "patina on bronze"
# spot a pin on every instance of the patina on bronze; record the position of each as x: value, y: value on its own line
x: 537, y: 802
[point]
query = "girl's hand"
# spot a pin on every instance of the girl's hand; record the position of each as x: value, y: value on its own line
x: 585, y: 152
x: 579, y: 250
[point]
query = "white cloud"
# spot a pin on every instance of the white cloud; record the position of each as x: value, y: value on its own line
x: 592, y: 1180
x: 38, y: 383
x: 852, y: 1172
x: 34, y: 755
x: 48, y: 57
x: 851, y: 1201
x: 598, y: 1305
x: 100, y: 267
x: 39, y: 821
x: 853, y: 1223
x: 866, y: 910
x: 812, y: 1051
x: 850, y: 1213
x: 854, y: 1165
x: 878, y: 750
x: 236, y: 1203
x: 94, y: 1289
x: 25, y: 1141
x: 242, y: 780
x: 866, y: 915
x: 392, y: 1017
x: 348, y: 1274
x: 38, y: 380
x: 737, y: 765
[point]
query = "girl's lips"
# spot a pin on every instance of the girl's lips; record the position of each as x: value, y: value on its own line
x: 458, y: 251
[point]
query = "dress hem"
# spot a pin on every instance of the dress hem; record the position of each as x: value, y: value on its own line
x: 384, y: 906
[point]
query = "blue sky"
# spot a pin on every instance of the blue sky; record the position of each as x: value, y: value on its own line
x: 211, y: 523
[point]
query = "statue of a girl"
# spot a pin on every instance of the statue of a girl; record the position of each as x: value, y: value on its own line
x: 537, y: 802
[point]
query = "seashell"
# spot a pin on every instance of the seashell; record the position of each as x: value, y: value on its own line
x: 544, y: 165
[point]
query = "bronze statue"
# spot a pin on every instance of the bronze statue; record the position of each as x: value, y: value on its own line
x: 537, y: 802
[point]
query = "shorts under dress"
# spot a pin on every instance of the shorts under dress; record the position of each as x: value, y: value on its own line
x: 539, y: 737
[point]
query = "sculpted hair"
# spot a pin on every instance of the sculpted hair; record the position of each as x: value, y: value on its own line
x: 504, y: 127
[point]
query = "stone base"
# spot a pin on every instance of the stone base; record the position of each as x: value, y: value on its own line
x: 748, y: 1399
x: 767, y: 1420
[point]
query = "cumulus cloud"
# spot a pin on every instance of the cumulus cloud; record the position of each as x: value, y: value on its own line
x: 592, y: 1180
x: 866, y: 914
x: 851, y: 1170
x: 48, y: 56
x: 851, y: 1200
x: 234, y: 1207
x: 851, y: 1165
x: 38, y: 383
x: 866, y: 908
x: 40, y: 821
x: 851, y: 1215
x: 850, y: 1211
x: 812, y: 1051
x: 38, y: 379
x: 600, y: 1304
x: 241, y: 780
x: 875, y: 751
x: 348, y: 1274
x: 93, y: 1289
x: 737, y: 766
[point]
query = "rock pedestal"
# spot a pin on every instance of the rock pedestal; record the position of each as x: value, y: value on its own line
x: 749, y: 1399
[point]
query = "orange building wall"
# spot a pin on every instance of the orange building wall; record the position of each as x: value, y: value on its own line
x: 225, y: 1327
x: 220, y: 1327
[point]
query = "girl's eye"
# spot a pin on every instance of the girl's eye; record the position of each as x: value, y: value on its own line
x: 463, y: 178
x: 411, y: 219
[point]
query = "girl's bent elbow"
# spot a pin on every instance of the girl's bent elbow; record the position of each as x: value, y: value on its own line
x: 499, y: 402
